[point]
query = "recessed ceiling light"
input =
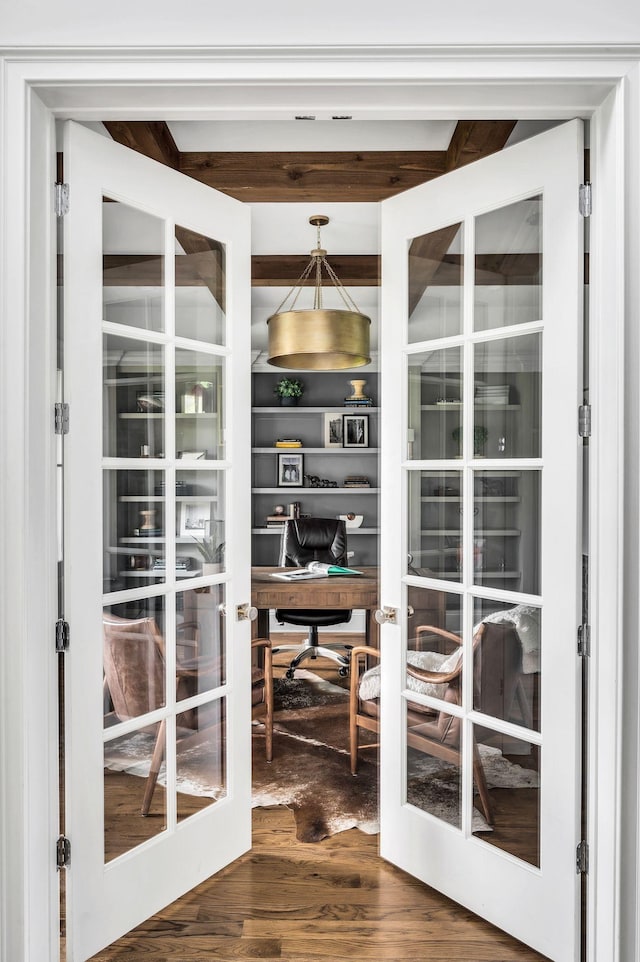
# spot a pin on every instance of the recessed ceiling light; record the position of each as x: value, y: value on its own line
x: 305, y: 117
x: 342, y: 117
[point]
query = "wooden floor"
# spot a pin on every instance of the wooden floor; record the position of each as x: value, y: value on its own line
x: 311, y: 903
x: 322, y: 902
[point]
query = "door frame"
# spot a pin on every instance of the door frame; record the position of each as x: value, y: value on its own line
x: 602, y: 88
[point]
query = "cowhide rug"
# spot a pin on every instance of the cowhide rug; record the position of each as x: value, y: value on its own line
x: 310, y: 771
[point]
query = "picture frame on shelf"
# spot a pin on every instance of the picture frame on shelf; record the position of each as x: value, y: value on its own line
x: 194, y: 519
x: 355, y: 431
x: 290, y: 470
x: 333, y: 430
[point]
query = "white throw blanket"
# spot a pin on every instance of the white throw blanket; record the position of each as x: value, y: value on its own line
x: 429, y: 660
x: 524, y: 618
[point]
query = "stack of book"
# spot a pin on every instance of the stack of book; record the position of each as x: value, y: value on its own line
x: 493, y: 394
x: 361, y: 402
x: 356, y: 481
x: 182, y: 564
x: 288, y: 443
x: 276, y: 520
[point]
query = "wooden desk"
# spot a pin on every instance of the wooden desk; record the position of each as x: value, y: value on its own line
x: 335, y: 591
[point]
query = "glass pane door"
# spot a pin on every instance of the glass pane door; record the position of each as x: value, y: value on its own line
x: 480, y: 728
x: 158, y: 712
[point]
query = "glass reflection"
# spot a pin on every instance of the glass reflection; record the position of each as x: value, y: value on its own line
x: 435, y: 284
x: 200, y: 415
x: 511, y: 772
x: 508, y: 397
x: 435, y: 404
x: 506, y: 529
x: 509, y: 656
x: 129, y: 792
x: 508, y: 265
x: 201, y: 747
x: 133, y: 529
x: 200, y: 640
x: 435, y: 524
x: 434, y: 773
x: 200, y: 528
x: 134, y: 659
x: 200, y: 290
x: 133, y: 398
x: 133, y: 267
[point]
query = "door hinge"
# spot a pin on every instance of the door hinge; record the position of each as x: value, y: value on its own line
x: 584, y: 641
x: 61, y: 199
x: 584, y: 421
x: 62, y: 417
x: 63, y: 852
x: 62, y: 635
x: 582, y: 858
x: 585, y: 199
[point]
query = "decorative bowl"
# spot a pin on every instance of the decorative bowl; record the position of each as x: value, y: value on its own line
x: 351, y: 520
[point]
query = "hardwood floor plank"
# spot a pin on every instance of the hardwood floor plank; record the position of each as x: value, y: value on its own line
x: 336, y: 900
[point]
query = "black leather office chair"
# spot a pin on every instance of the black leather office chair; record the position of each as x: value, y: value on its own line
x: 305, y: 540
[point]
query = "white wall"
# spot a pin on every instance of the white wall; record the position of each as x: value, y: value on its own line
x: 335, y: 22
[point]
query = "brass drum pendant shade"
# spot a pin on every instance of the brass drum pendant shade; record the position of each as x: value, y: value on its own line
x: 319, y: 339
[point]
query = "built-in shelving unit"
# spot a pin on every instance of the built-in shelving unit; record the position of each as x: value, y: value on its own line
x: 323, y: 396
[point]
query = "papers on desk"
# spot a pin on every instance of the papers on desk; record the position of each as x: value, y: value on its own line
x: 315, y: 569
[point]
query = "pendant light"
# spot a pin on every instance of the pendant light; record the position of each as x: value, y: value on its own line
x: 318, y: 339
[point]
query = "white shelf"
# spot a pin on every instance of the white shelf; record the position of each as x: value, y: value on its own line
x: 304, y: 450
x: 485, y: 499
x: 284, y: 490
x: 161, y: 539
x: 145, y: 416
x: 191, y: 498
x: 301, y: 409
x: 488, y: 533
x: 158, y: 574
x: 457, y: 575
x: 477, y: 404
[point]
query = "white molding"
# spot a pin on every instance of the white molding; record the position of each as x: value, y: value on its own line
x: 29, y: 747
x: 75, y: 82
x: 607, y: 522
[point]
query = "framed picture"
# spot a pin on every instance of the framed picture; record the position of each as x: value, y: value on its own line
x: 355, y: 431
x: 195, y: 519
x: 333, y: 430
x: 290, y: 470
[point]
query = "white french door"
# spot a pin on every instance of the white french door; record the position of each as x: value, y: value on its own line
x: 481, y: 524
x: 156, y: 360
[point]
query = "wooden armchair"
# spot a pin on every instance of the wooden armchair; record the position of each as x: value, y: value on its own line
x: 262, y: 691
x: 134, y: 677
x: 497, y: 686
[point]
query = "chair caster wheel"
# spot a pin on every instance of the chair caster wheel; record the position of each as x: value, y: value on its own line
x: 343, y: 672
x: 290, y: 673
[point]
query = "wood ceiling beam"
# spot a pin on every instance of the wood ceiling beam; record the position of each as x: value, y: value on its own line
x: 281, y: 270
x: 149, y: 137
x: 354, y: 270
x: 331, y: 176
x: 471, y: 140
x: 474, y: 139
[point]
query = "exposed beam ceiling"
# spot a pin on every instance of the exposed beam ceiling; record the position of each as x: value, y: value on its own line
x: 317, y: 176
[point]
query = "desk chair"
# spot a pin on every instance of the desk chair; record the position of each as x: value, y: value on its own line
x: 305, y: 540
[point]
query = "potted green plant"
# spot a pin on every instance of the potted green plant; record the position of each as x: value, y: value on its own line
x: 480, y: 435
x: 289, y: 390
x: 212, y: 553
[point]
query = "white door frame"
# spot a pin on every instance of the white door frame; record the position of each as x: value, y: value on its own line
x: 497, y: 83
